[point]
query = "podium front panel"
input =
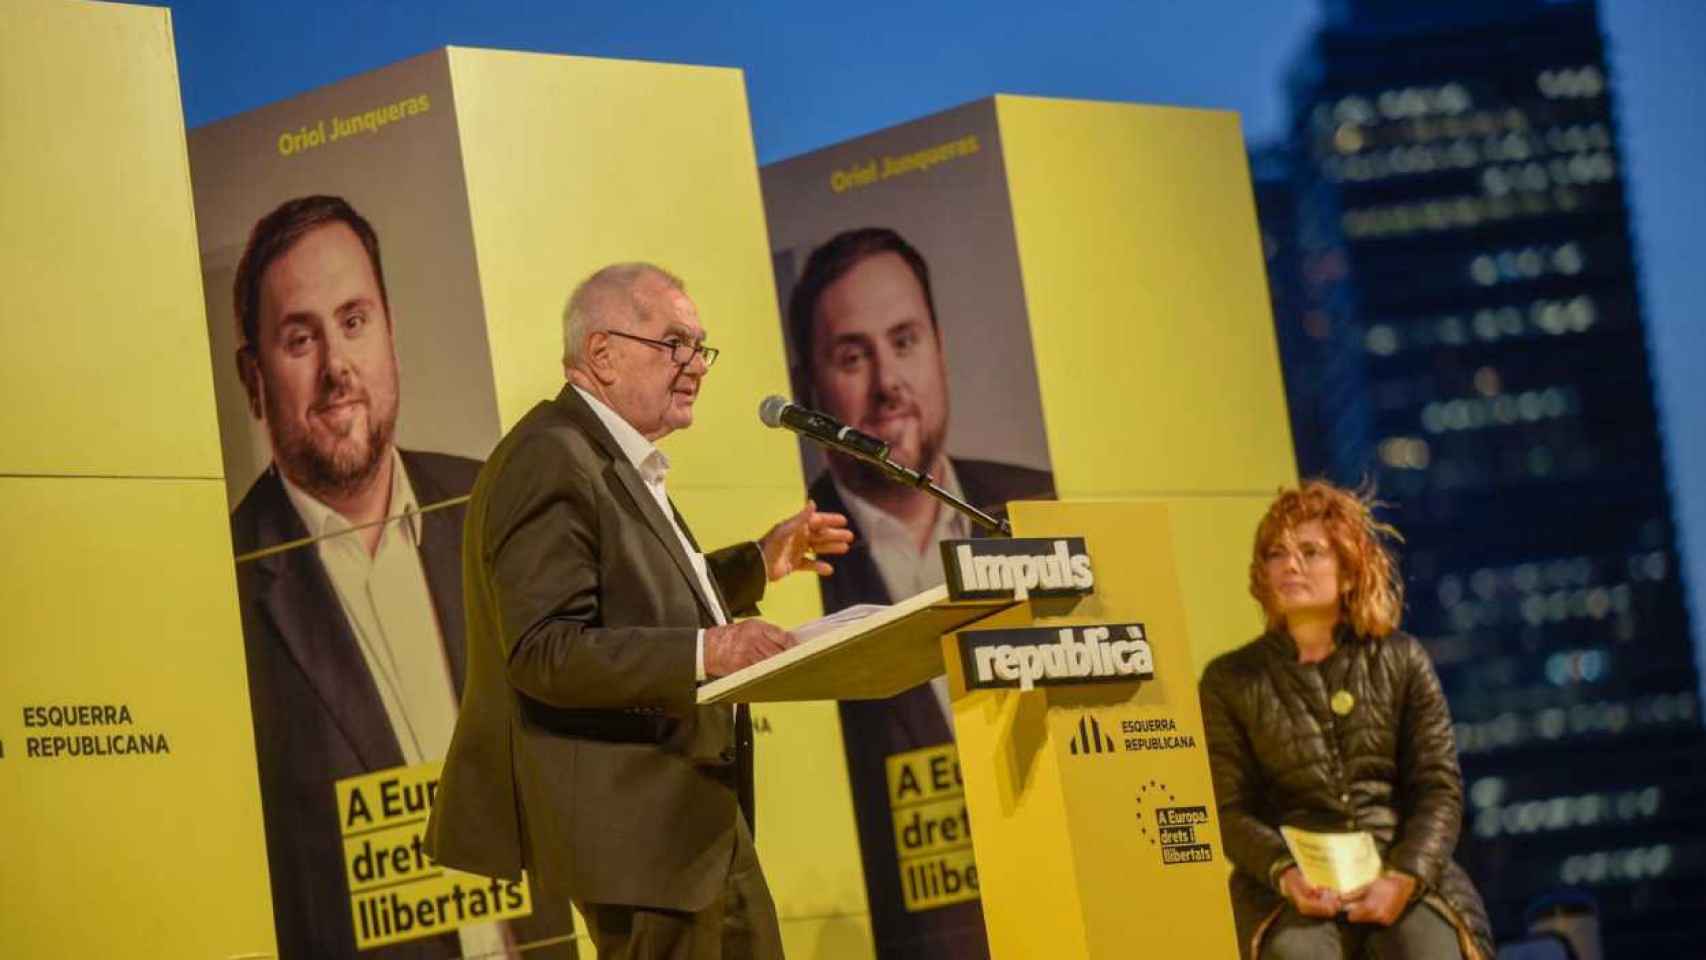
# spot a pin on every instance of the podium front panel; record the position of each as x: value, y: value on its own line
x: 1095, y: 825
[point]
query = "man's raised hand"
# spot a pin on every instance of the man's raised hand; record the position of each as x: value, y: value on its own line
x: 800, y: 542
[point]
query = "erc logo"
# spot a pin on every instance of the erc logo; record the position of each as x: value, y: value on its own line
x: 1090, y: 738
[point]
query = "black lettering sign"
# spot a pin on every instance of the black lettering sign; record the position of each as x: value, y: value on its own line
x: 991, y: 567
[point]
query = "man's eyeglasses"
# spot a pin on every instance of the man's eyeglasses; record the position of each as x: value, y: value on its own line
x: 680, y: 353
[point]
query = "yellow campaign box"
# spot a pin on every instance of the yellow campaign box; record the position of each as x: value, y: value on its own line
x: 124, y: 732
x: 471, y: 173
x: 127, y: 790
x: 396, y: 892
x: 1069, y: 299
x: 100, y: 313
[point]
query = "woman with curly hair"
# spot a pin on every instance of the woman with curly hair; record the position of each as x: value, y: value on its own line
x: 1333, y: 721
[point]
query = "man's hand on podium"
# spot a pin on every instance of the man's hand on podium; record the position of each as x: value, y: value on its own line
x: 734, y: 646
x: 800, y: 542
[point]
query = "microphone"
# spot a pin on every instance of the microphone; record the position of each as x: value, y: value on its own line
x: 832, y: 433
x: 825, y: 429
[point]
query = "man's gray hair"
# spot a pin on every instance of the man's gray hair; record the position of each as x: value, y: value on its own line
x: 606, y: 301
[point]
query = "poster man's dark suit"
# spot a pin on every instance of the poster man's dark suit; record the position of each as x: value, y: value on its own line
x: 580, y: 752
x: 317, y: 712
x: 872, y: 730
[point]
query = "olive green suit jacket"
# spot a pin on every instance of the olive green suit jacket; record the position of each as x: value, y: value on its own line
x: 580, y: 753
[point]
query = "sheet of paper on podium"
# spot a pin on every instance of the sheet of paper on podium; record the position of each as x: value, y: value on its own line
x: 885, y: 651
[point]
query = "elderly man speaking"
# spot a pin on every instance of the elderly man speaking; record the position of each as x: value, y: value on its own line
x: 580, y: 752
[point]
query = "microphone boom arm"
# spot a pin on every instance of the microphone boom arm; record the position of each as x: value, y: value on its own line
x: 923, y: 481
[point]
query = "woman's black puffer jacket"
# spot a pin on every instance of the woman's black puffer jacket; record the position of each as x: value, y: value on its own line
x: 1280, y: 754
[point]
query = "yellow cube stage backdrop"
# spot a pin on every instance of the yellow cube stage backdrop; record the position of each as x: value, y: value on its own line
x: 491, y: 183
x: 127, y: 787
x: 1030, y: 298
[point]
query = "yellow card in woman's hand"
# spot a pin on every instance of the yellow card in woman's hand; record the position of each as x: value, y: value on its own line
x: 1341, y: 862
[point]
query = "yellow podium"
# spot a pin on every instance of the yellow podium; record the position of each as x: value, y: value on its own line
x: 1080, y: 751
x: 1094, y: 814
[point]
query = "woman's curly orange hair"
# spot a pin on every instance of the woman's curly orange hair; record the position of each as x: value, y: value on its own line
x: 1371, y: 596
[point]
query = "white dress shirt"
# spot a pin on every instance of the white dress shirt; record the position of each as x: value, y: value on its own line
x: 388, y: 605
x: 907, y: 570
x: 653, y: 466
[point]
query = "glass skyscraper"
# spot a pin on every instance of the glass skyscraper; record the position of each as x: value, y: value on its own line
x: 1455, y: 292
